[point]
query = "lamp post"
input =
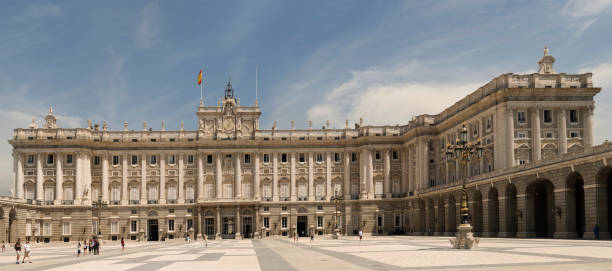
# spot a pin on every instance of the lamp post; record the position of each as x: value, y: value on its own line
x: 336, y: 199
x: 98, y: 205
x: 465, y: 152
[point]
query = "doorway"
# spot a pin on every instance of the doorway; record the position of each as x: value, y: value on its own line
x: 302, y: 226
x: 153, y: 230
x: 247, y: 227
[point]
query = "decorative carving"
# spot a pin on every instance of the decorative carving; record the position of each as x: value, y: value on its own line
x: 546, y: 63
x: 33, y: 124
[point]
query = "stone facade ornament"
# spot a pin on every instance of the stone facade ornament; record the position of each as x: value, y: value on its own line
x: 104, y: 126
x: 33, y: 124
x: 89, y: 126
x: 144, y: 125
x: 125, y: 126
x: 546, y: 63
x: 50, y: 120
x: 163, y: 126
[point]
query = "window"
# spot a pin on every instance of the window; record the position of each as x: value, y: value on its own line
x: 96, y: 160
x: 266, y: 222
x: 30, y: 159
x: 267, y: 190
x: 266, y: 208
x: 209, y: 159
x: 353, y: 157
x: 522, y: 162
x: 489, y: 124
x: 115, y: 192
x: 573, y: 115
x: 377, y: 155
x: 189, y: 210
x: 50, y: 159
x: 68, y: 195
x: 319, y: 157
x: 115, y: 160
x: 474, y: 133
x: 266, y: 158
x: 171, y: 211
x: 547, y: 116
x: 68, y: 158
x: 172, y: 159
x: 574, y: 134
x: 134, y: 211
x: 284, y: 222
x: 337, y: 157
x: 283, y: 158
x: 134, y: 192
x: 115, y: 227
x: 133, y: 226
x: 49, y: 192
x: 210, y: 190
x: 189, y: 191
x: 319, y: 221
x: 153, y: 159
x: 189, y: 224
x: 284, y: 191
x: 171, y: 225
x: 172, y: 192
x: 134, y: 160
x: 394, y: 155
x: 302, y: 157
x: 319, y: 207
x: 94, y: 227
x: 549, y: 134
x: 47, y: 228
x: 356, y: 220
x: 247, y: 158
x: 522, y: 135
x: 398, y: 220
x: 522, y: 118
x: 379, y: 221
x: 190, y: 159
x: 284, y: 207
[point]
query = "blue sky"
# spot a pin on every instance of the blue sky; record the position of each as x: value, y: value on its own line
x: 384, y: 61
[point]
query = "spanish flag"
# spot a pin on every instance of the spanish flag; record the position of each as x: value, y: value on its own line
x: 200, y: 78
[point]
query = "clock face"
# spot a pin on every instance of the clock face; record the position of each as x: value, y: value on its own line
x: 228, y: 124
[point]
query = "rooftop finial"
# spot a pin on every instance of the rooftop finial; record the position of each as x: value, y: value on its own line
x: 546, y: 63
x: 545, y: 50
x: 50, y: 110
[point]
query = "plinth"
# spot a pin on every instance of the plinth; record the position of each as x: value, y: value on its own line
x: 464, y: 238
x: 336, y: 234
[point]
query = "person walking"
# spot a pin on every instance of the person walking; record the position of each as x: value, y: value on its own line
x: 84, y: 247
x: 26, y: 252
x: 311, y: 237
x: 3, y: 246
x: 79, y: 249
x: 122, y: 245
x: 360, y: 235
x: 18, y: 249
x: 205, y: 240
x: 596, y: 231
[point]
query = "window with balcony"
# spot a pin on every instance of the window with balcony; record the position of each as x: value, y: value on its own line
x: 190, y: 159
x: 319, y: 221
x: 49, y: 159
x: 134, y: 195
x: 283, y: 158
x: 283, y: 222
x: 266, y: 158
x: 171, y: 159
x: 319, y: 157
x: 171, y: 225
x: 115, y: 193
x: 133, y: 226
x: 69, y: 159
x: 302, y: 158
x: 573, y: 115
x: 115, y: 160
x: 134, y: 160
x: 521, y: 116
x: 247, y: 158
x: 96, y: 160
x: 548, y: 116
x: 190, y: 192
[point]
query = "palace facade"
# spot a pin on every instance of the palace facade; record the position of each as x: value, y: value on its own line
x: 539, y: 174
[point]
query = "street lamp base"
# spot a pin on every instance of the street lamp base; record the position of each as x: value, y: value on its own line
x: 336, y: 234
x: 464, y: 238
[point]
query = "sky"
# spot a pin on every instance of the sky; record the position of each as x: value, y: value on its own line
x: 384, y: 61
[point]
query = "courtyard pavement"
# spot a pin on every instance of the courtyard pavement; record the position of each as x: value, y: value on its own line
x: 373, y: 253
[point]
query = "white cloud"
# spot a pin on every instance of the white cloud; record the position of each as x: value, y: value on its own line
x: 602, y: 77
x: 584, y: 8
x: 147, y: 34
x: 387, y: 96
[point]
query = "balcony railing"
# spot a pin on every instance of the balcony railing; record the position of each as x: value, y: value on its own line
x: 134, y: 201
x: 171, y: 201
x: 267, y: 198
x: 302, y: 198
x: 378, y: 196
x: 29, y: 201
x: 189, y: 201
x: 321, y: 198
x: 48, y: 202
x: 115, y: 202
x: 67, y: 202
x: 152, y: 201
x: 354, y: 196
x: 398, y: 195
x: 284, y: 199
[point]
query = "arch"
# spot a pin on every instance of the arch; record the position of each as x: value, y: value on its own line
x: 421, y: 219
x: 12, y: 226
x: 493, y: 211
x: 575, y: 205
x: 431, y: 217
x: 440, y: 221
x: 452, y: 215
x: 604, y: 198
x: 576, y: 147
x: 511, y: 211
x: 152, y: 213
x: 302, y: 210
x: 476, y: 213
x: 209, y: 213
x: 540, y: 205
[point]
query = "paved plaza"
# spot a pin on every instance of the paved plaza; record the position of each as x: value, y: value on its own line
x: 375, y: 253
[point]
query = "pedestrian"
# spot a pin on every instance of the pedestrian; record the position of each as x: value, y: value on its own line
x: 205, y: 240
x: 360, y: 235
x: 26, y: 252
x: 84, y: 247
x: 122, y: 245
x: 18, y: 249
x: 311, y: 237
x: 3, y: 246
x: 90, y: 246
x: 79, y: 249
x: 596, y: 231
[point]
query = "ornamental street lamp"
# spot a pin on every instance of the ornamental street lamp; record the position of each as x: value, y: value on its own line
x: 337, y: 200
x: 463, y: 151
x: 99, y: 204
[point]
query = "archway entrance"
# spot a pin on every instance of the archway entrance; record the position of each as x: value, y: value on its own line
x: 440, y: 220
x: 493, y: 209
x: 604, y: 201
x: 153, y: 228
x: 452, y: 215
x: 302, y: 226
x: 247, y: 227
x: 511, y: 213
x: 421, y: 219
x: 477, y: 213
x: 540, y: 202
x: 12, y: 228
x: 575, y: 205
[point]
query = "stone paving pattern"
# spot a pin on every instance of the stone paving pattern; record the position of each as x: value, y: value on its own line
x: 375, y: 253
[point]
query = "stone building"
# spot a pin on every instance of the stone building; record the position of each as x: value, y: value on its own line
x: 539, y: 174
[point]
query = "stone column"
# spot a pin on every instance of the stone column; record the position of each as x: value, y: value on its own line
x: 39, y: 177
x: 410, y: 179
x: 78, y: 183
x: 562, y: 131
x: 143, y: 179
x: 523, y: 230
x: 104, y: 177
x: 369, y: 174
x: 502, y: 219
x: 561, y: 221
x: 162, y: 176
x: 386, y: 173
x: 256, y: 177
x: 181, y: 178
x: 535, y: 134
x: 486, y: 227
x: 275, y: 176
x: 59, y: 179
x: 510, y: 137
x: 124, y: 178
x: 199, y: 224
x: 425, y: 151
x: 347, y: 176
x: 200, y: 177
x: 19, y: 175
x: 218, y: 176
x: 363, y: 175
x: 310, y: 177
x: 293, y: 187
x: 237, y: 176
x: 449, y: 222
x: 218, y: 234
x: 328, y: 176
x: 447, y: 172
x: 588, y: 127
x: 404, y: 168
x: 237, y: 222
